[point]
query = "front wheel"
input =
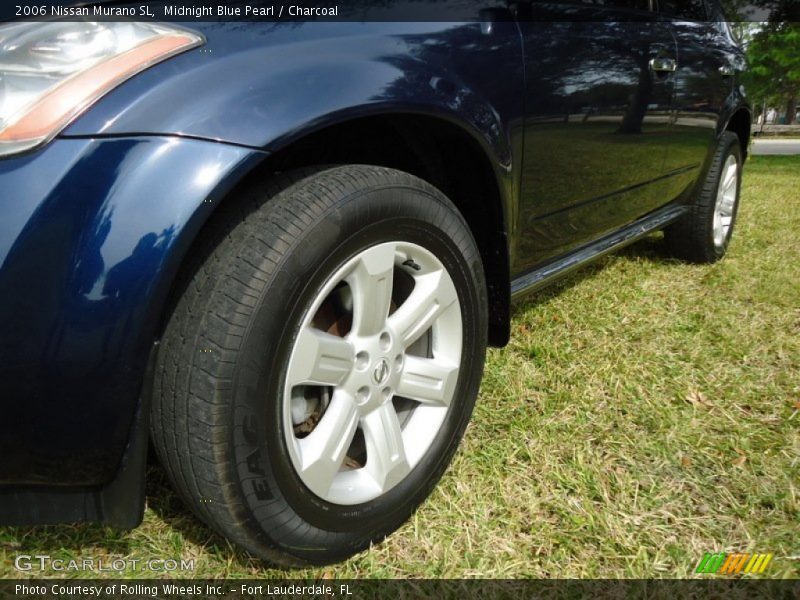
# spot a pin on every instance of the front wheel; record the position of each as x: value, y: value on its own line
x: 318, y: 372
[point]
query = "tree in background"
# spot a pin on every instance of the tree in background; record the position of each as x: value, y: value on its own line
x: 773, y: 55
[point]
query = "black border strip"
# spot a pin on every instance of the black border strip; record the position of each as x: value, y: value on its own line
x: 273, y: 11
x: 446, y: 589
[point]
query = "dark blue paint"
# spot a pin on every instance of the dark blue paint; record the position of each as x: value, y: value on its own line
x: 266, y: 85
x: 96, y: 224
x: 91, y: 236
x: 262, y: 84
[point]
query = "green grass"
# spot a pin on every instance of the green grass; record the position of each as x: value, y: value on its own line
x: 645, y: 412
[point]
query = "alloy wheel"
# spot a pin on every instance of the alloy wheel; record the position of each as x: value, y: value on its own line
x: 372, y: 372
x: 726, y: 201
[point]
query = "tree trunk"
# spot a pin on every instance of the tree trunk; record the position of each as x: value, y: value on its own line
x: 634, y: 117
x: 791, y: 109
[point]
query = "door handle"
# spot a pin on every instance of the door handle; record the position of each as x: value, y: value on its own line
x: 663, y: 65
x: 727, y: 70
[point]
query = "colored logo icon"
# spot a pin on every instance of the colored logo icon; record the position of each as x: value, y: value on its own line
x: 723, y: 563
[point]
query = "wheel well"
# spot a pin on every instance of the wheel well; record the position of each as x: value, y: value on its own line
x: 740, y: 125
x: 434, y: 150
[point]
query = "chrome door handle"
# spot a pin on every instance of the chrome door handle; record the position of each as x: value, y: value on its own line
x: 663, y: 65
x: 726, y: 70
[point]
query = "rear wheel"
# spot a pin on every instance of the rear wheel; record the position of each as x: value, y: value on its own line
x: 704, y: 234
x: 320, y: 368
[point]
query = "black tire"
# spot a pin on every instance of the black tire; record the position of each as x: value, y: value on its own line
x: 692, y: 238
x: 216, y: 423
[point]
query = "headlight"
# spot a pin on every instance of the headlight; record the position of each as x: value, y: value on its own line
x: 51, y: 71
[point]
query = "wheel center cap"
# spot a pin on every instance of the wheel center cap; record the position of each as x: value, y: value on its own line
x: 381, y: 372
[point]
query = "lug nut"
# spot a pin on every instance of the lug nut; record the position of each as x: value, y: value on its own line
x: 385, y: 341
x: 362, y: 395
x: 362, y: 361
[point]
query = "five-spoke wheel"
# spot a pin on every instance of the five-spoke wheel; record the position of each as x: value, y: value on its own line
x: 727, y: 194
x: 372, y: 372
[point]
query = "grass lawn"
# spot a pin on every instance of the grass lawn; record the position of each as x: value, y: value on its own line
x: 645, y: 412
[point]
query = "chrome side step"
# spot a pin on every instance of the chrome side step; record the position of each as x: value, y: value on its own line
x: 539, y: 278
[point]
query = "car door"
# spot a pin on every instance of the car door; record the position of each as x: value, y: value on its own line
x: 707, y: 61
x: 597, y: 114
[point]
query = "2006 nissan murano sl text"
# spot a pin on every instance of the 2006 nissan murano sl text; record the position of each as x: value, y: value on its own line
x: 277, y: 252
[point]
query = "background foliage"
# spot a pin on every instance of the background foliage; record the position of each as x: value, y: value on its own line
x: 773, y: 55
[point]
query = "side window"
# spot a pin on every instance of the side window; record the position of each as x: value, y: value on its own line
x: 691, y: 10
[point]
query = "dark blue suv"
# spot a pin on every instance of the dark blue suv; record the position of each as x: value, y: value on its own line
x: 278, y: 251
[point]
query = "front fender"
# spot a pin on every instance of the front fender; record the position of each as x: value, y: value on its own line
x: 262, y: 85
